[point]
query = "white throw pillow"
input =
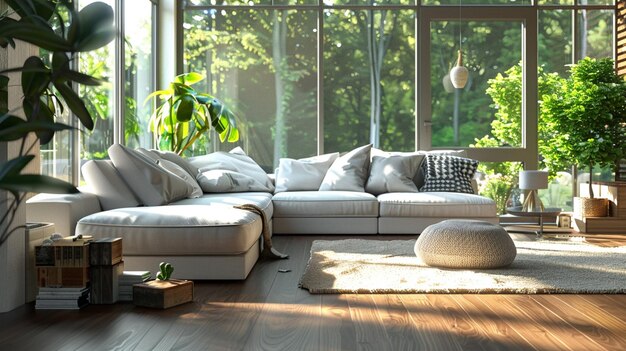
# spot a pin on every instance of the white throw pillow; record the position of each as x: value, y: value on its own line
x: 393, y: 174
x: 349, y: 172
x: 174, y: 157
x: 303, y: 174
x: 226, y: 181
x: 234, y: 162
x: 194, y: 190
x: 107, y: 183
x: 153, y: 184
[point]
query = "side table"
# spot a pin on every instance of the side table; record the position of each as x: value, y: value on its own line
x: 547, y: 212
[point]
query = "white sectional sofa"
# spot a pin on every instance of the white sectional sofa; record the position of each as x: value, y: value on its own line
x: 205, y: 237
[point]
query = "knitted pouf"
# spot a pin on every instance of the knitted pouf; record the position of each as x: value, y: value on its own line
x: 464, y: 243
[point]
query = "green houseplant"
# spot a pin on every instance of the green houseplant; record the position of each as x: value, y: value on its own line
x: 587, y: 118
x: 186, y: 114
x: 62, y: 31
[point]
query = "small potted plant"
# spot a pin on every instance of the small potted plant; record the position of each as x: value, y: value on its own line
x: 586, y: 116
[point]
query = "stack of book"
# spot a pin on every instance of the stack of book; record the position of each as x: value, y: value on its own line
x: 63, y: 273
x: 62, y: 298
x: 128, y: 279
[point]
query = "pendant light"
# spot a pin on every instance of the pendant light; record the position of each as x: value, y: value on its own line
x: 458, y: 73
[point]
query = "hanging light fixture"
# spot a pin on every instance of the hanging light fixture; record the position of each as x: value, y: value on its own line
x: 458, y: 73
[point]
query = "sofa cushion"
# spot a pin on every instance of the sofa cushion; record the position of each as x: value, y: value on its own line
x: 260, y: 199
x: 325, y: 204
x: 446, y: 205
x: 211, y: 229
x: 153, y: 184
x: 234, y: 169
x: 106, y: 182
x: 226, y: 181
x: 420, y: 176
x: 303, y: 174
x: 393, y: 173
x: 349, y: 172
x: 194, y: 189
x: 177, y: 159
x: 449, y: 173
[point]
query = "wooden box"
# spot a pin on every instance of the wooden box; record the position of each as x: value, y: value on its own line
x: 106, y: 251
x: 600, y: 225
x: 105, y: 281
x: 163, y: 293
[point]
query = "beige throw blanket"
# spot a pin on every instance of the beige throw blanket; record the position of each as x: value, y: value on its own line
x: 268, y: 250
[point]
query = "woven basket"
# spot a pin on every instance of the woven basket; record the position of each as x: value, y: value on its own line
x: 587, y: 207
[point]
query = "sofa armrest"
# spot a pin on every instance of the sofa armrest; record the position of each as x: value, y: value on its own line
x: 64, y: 210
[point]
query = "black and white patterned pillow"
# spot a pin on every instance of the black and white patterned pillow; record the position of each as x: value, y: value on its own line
x: 449, y: 173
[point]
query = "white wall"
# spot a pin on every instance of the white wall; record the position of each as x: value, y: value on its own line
x: 12, y: 252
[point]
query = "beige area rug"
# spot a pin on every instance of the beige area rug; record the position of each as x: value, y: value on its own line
x: 377, y: 266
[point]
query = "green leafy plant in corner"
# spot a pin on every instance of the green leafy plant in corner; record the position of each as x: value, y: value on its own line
x: 587, y: 117
x: 165, y: 271
x: 57, y: 27
x: 185, y: 114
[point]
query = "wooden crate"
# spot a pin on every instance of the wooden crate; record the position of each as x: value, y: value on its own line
x: 163, y: 293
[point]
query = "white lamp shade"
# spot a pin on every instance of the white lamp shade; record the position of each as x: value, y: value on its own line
x: 458, y: 76
x: 458, y: 73
x: 531, y: 180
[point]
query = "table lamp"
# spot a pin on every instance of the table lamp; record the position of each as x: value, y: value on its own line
x: 533, y: 180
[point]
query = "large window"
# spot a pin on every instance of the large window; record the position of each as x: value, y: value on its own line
x: 117, y: 106
x: 314, y: 76
x: 263, y: 64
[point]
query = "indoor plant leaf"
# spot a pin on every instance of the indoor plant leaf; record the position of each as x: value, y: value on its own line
x: 189, y: 78
x: 75, y: 104
x: 34, y: 77
x: 35, y: 183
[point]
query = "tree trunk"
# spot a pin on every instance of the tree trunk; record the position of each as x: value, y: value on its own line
x: 590, y: 180
x: 279, y: 57
x: 377, y: 43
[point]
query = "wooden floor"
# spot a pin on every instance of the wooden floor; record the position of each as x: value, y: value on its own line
x: 269, y: 312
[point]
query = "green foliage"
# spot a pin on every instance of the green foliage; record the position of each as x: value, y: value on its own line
x: 165, y: 271
x: 586, y: 117
x: 506, y: 92
x: 45, y: 87
x: 185, y: 115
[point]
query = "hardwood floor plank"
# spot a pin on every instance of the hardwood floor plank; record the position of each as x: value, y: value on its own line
x: 370, y: 331
x: 337, y: 331
x: 539, y: 333
x: 592, y: 328
x: 565, y: 332
x: 600, y: 308
x: 430, y: 325
x: 469, y: 335
x: 396, y: 321
x: 290, y: 317
x: 495, y: 327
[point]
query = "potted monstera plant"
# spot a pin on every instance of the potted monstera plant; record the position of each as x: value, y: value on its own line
x: 185, y: 114
x: 587, y: 117
x: 57, y: 27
